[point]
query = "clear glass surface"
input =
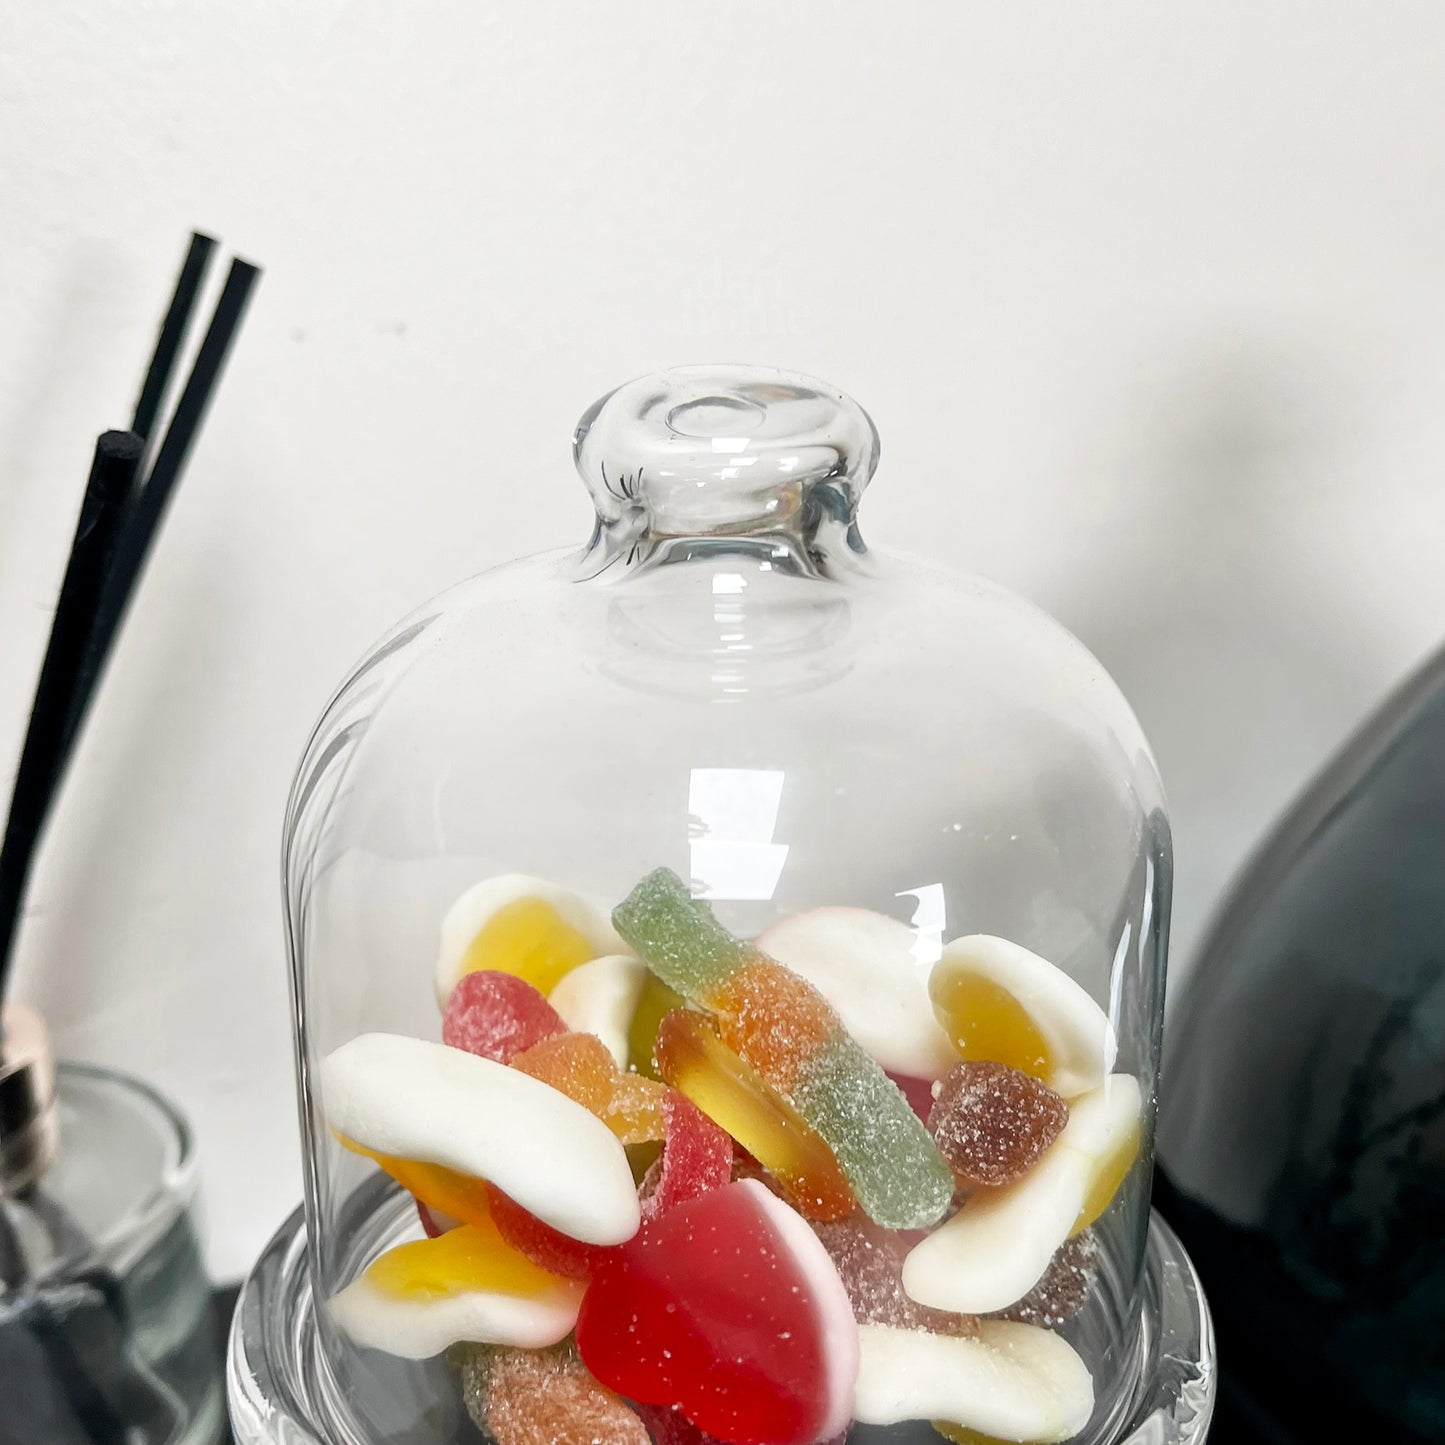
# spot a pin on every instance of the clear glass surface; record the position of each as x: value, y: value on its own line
x: 728, y: 683
x: 105, y: 1314
x: 282, y: 1391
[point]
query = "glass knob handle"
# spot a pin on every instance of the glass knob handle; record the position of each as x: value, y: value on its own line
x: 709, y: 450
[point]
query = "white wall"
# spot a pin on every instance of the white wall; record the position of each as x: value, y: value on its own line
x: 1148, y: 302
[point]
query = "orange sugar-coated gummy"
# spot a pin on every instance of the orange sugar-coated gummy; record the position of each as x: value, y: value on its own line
x: 549, y: 1397
x: 773, y: 1018
x: 580, y: 1066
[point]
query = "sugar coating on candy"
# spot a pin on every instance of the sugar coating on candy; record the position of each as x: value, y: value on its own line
x: 998, y: 1246
x: 890, y: 1162
x: 410, y: 1099
x: 728, y: 1307
x: 696, y: 1156
x: 498, y: 1015
x: 873, y: 970
x: 545, y: 1397
x: 869, y: 1261
x: 1014, y: 1382
x: 696, y: 1062
x: 418, y: 1298
x: 775, y: 1019
x: 894, y: 1167
x: 579, y: 1066
x: 992, y: 1122
x: 600, y: 997
x: 677, y: 937
x: 636, y: 1113
x: 1066, y: 1286
x: 546, y: 1247
x: 522, y: 925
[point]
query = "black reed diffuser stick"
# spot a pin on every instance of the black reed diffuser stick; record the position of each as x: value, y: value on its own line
x: 119, y: 519
x: 102, y: 511
x: 144, y: 522
x: 172, y: 334
x: 67, y: 1339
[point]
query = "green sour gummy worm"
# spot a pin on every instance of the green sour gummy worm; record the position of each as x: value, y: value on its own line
x: 888, y: 1157
x: 678, y: 938
x: 895, y: 1168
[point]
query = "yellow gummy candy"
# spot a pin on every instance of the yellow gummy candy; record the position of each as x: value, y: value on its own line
x: 460, y: 1195
x: 1109, y: 1173
x: 962, y: 1435
x: 986, y: 1022
x: 696, y: 1062
x: 528, y: 938
x: 655, y: 1001
x: 470, y: 1257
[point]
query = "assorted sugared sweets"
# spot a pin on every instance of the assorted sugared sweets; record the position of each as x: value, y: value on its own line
x: 680, y: 1187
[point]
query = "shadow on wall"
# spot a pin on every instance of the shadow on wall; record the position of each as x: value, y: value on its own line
x: 1216, y: 605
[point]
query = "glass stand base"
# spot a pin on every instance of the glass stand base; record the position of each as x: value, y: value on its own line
x: 281, y: 1392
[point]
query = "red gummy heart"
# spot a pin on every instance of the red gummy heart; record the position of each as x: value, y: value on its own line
x: 728, y: 1307
x: 667, y: 1427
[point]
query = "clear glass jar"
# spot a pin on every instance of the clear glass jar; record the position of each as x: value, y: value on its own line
x: 874, y: 833
x: 105, y: 1315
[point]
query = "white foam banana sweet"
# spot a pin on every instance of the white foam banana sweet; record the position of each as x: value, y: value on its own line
x: 999, y: 1001
x: 418, y: 1323
x: 522, y: 925
x: 867, y: 966
x: 600, y: 998
x: 423, y: 1101
x: 998, y: 1245
x: 1014, y: 1382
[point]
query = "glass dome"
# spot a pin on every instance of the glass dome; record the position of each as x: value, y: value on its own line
x: 728, y: 967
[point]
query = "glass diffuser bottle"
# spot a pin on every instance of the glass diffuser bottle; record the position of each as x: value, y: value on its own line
x: 728, y: 967
x: 106, y: 1328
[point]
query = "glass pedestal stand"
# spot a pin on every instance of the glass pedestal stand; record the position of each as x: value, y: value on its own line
x: 282, y: 1393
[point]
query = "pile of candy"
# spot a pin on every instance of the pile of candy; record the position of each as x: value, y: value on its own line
x: 683, y: 1187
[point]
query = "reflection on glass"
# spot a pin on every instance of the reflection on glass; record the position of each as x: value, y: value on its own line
x: 732, y: 813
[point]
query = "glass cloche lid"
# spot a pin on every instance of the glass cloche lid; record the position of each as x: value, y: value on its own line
x: 728, y: 965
